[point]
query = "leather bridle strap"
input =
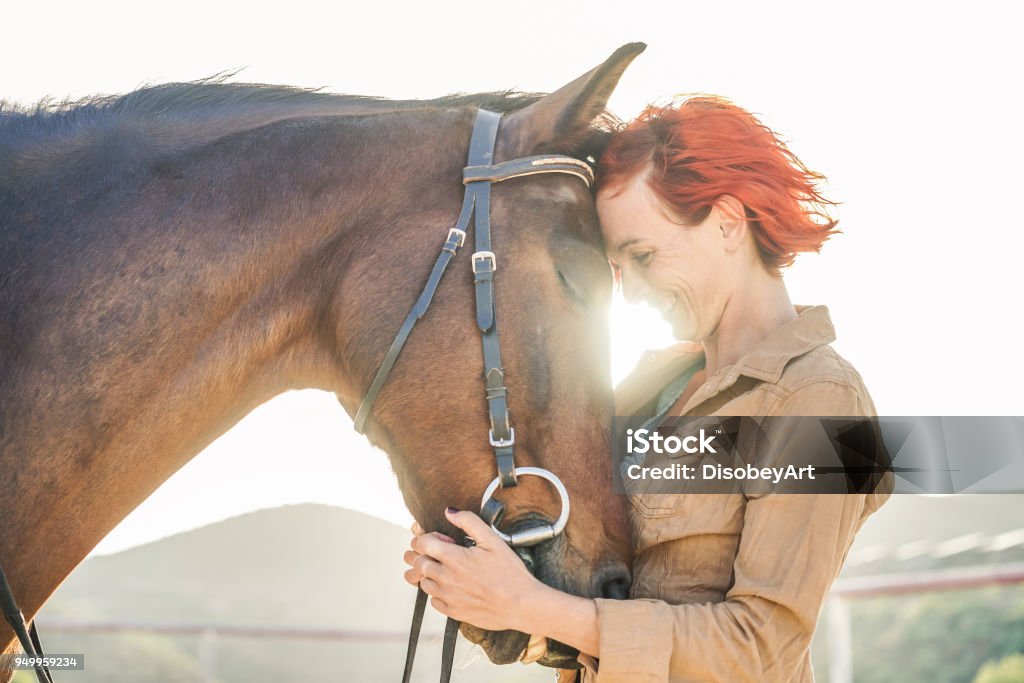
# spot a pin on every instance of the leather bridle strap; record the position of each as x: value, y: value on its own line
x: 451, y: 633
x: 456, y: 238
x: 418, y: 610
x: 501, y: 436
x: 517, y: 168
x: 477, y: 176
x: 26, y: 633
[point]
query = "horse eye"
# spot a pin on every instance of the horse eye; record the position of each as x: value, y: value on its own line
x: 571, y: 291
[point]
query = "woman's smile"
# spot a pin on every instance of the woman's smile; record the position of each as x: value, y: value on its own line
x: 678, y: 270
x: 667, y: 306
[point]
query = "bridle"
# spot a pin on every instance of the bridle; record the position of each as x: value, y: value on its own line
x: 478, y: 175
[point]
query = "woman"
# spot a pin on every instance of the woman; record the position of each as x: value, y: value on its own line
x: 701, y: 206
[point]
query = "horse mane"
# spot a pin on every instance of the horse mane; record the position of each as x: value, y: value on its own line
x: 214, y: 98
x: 184, y: 115
x: 214, y: 94
x: 173, y: 117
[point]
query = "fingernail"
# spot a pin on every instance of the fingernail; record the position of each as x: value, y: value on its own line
x: 451, y: 510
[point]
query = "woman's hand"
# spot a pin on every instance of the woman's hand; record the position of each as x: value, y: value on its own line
x: 413, y: 575
x: 486, y: 585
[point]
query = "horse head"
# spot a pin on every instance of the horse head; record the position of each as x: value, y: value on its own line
x: 552, y: 286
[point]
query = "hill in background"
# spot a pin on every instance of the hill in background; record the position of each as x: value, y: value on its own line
x: 303, y: 566
x: 315, y: 566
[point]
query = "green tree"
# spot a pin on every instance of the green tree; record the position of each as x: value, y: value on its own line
x: 1006, y: 670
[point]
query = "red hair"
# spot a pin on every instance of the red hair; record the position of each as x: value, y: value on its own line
x: 702, y: 147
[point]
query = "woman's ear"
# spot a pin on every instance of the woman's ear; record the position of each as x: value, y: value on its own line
x: 732, y: 221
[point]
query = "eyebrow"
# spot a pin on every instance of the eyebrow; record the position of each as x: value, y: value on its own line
x: 630, y: 241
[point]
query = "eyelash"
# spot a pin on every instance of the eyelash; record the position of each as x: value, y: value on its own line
x: 570, y: 290
x: 643, y: 258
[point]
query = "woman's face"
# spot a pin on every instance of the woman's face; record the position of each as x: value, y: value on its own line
x: 679, y: 270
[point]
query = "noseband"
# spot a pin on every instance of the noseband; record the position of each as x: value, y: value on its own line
x: 478, y: 175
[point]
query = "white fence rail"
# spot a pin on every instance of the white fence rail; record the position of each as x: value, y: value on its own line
x: 840, y: 635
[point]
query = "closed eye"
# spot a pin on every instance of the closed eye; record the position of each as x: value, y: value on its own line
x: 571, y: 291
x: 643, y: 258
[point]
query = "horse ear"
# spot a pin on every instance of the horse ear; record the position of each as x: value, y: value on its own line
x: 559, y: 121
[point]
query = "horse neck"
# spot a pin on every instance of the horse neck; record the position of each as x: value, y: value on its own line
x: 217, y: 283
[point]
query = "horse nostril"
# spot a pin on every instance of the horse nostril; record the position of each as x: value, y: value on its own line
x: 616, y: 589
x: 528, y: 558
x: 613, y: 583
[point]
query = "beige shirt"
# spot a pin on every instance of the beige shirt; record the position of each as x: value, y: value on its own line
x: 728, y: 587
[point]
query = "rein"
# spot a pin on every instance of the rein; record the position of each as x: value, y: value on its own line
x: 26, y: 632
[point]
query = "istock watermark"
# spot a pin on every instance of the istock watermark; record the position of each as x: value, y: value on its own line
x: 808, y: 454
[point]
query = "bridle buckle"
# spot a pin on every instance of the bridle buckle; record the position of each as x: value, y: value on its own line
x: 502, y: 443
x: 460, y: 234
x: 484, y: 256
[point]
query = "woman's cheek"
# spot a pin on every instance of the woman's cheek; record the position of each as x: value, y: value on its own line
x: 685, y: 316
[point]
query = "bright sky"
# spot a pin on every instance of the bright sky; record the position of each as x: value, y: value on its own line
x: 911, y: 109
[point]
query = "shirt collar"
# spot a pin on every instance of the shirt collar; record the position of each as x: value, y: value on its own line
x: 765, y: 362
x: 811, y: 328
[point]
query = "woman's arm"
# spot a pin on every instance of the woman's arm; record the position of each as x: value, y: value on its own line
x: 791, y: 549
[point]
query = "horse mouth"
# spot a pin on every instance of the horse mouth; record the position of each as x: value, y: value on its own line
x: 560, y: 656
x: 544, y: 561
x: 506, y: 647
x: 501, y: 647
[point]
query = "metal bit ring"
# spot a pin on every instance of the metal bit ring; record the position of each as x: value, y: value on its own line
x: 537, y: 534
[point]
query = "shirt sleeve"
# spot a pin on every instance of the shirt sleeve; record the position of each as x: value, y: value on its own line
x: 791, y: 549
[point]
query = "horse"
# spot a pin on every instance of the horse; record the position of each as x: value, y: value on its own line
x: 173, y: 257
